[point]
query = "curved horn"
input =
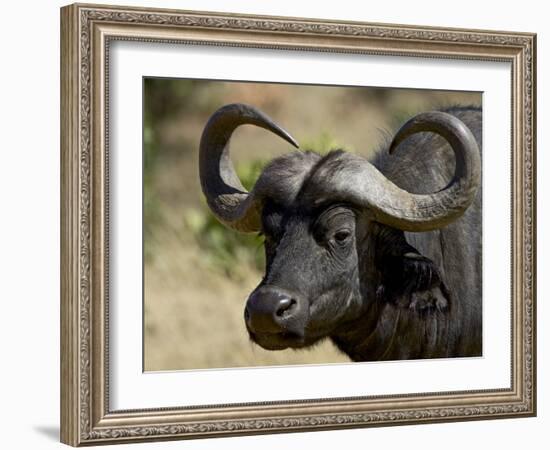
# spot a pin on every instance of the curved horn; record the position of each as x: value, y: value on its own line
x: 353, y: 179
x: 226, y: 196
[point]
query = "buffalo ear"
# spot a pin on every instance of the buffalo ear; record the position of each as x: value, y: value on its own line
x: 407, y: 278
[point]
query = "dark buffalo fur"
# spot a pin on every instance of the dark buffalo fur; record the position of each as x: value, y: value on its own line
x: 377, y: 292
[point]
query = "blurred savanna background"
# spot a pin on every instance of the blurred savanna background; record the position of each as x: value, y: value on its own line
x: 198, y: 274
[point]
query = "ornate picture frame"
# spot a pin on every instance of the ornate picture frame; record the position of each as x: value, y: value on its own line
x: 87, y: 31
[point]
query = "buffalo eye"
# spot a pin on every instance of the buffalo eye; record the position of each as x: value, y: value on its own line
x: 342, y: 236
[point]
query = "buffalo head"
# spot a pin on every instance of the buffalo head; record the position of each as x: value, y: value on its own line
x: 324, y: 219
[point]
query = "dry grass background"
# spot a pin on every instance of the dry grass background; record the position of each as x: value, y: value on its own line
x: 193, y: 311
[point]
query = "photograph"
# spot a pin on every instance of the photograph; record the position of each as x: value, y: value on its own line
x: 344, y: 225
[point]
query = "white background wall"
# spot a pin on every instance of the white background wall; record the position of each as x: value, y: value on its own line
x: 29, y: 222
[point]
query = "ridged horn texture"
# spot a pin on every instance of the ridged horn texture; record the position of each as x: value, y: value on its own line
x: 226, y: 196
x: 353, y: 179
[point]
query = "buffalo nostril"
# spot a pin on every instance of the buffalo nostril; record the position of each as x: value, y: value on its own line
x: 272, y: 311
x: 284, y: 306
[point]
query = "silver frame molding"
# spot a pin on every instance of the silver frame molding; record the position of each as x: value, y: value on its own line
x: 86, y: 31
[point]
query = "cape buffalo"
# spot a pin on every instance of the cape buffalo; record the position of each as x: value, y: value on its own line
x: 382, y: 256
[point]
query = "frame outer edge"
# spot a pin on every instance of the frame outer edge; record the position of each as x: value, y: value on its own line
x: 533, y: 230
x: 69, y: 360
x: 81, y: 413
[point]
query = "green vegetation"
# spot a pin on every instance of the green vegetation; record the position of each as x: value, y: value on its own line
x: 224, y: 249
x: 164, y: 98
x: 150, y: 201
x: 323, y: 143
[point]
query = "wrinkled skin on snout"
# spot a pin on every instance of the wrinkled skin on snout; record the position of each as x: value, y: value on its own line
x: 311, y: 286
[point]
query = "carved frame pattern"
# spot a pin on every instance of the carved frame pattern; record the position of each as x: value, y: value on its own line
x: 86, y: 32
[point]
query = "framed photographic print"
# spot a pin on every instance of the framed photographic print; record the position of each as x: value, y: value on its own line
x: 274, y: 224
